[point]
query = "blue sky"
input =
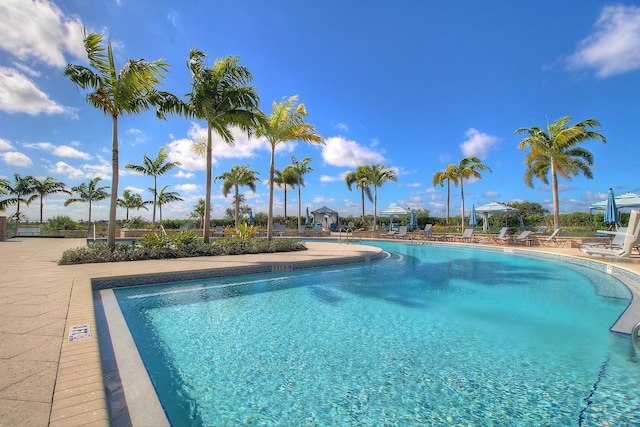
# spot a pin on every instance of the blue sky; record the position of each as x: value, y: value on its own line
x: 414, y: 85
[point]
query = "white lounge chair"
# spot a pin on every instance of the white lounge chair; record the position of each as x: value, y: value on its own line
x: 502, y: 236
x: 553, y: 239
x: 523, y: 238
x: 467, y: 235
x: 541, y: 230
x: 218, y: 231
x: 631, y: 240
x: 402, y: 232
x: 427, y: 233
x: 389, y: 233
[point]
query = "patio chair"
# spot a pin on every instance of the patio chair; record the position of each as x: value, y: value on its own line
x: 389, y: 233
x: 553, y: 239
x: 427, y: 233
x: 467, y: 235
x: 402, y: 232
x: 502, y: 236
x: 631, y: 240
x: 218, y: 232
x: 317, y: 229
x: 302, y: 230
x: 541, y: 230
x: 523, y: 238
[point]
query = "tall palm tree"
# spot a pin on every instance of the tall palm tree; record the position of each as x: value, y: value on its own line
x: 285, y: 179
x: 300, y: 168
x: 220, y: 95
x: 131, y: 200
x: 198, y: 212
x: 47, y: 187
x: 238, y: 176
x: 131, y: 90
x: 448, y: 175
x: 285, y: 123
x: 362, y: 181
x: 165, y: 197
x: 154, y: 167
x: 468, y: 167
x: 554, y: 151
x: 21, y: 191
x: 378, y: 176
x: 88, y: 193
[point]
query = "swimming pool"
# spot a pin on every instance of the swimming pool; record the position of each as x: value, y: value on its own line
x: 433, y: 335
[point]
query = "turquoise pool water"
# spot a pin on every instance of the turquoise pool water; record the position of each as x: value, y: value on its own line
x: 432, y: 335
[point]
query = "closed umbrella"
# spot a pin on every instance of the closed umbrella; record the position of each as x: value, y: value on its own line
x: 473, y: 221
x: 308, y: 216
x: 412, y: 220
x: 611, y: 211
x: 250, y: 216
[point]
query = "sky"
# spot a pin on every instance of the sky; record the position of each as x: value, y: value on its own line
x: 413, y: 85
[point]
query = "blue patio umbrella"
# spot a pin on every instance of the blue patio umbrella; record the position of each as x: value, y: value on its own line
x: 412, y: 220
x: 611, y: 211
x: 250, y: 216
x: 473, y: 220
x: 308, y: 217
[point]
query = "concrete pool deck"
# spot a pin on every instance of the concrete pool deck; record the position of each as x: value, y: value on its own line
x: 48, y: 379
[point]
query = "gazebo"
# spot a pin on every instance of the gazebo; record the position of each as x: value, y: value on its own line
x: 626, y: 200
x: 495, y: 207
x: 328, y: 218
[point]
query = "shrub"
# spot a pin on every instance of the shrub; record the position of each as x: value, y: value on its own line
x: 58, y: 223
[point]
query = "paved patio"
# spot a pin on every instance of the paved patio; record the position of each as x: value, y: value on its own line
x: 46, y: 379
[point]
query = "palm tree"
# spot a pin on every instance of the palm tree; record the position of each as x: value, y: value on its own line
x: 88, y: 193
x: 239, y: 175
x: 154, y: 167
x: 22, y: 191
x: 285, y: 123
x: 468, y: 168
x: 378, y: 176
x: 285, y: 179
x: 555, y: 152
x: 198, y: 212
x: 165, y: 197
x: 300, y: 168
x: 361, y: 179
x: 448, y: 175
x: 132, y: 89
x: 132, y: 200
x: 47, y: 187
x: 221, y: 96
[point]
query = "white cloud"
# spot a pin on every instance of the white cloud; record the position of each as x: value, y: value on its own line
x: 614, y: 47
x: 188, y: 188
x: 341, y: 127
x: 181, y: 150
x: 67, y: 170
x: 39, y: 30
x: 5, y: 145
x: 327, y: 178
x: 339, y: 151
x: 18, y: 94
x: 323, y: 200
x: 15, y: 158
x: 183, y: 174
x: 59, y: 150
x: 491, y: 194
x: 477, y: 144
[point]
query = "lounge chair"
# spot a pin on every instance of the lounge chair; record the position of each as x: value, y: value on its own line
x: 218, y: 231
x: 541, y: 230
x: 389, y: 233
x: 317, y: 229
x: 427, y: 233
x: 616, y: 242
x: 279, y: 229
x: 524, y: 238
x: 402, y: 232
x: 302, y: 230
x: 467, y: 235
x: 553, y: 239
x: 502, y: 236
x: 631, y: 240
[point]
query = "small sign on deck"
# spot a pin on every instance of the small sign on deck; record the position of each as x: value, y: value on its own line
x: 79, y: 332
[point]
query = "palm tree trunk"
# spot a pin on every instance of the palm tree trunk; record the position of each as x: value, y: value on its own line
x: 207, y: 197
x: 375, y: 206
x: 111, y: 231
x: 446, y: 219
x: 155, y: 202
x: 362, y: 191
x: 271, y: 174
x: 462, y: 197
x: 285, y: 203
x: 237, y: 205
x: 554, y: 189
x: 299, y: 206
x: 41, y: 208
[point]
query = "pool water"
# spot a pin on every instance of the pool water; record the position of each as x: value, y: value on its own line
x: 432, y: 335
